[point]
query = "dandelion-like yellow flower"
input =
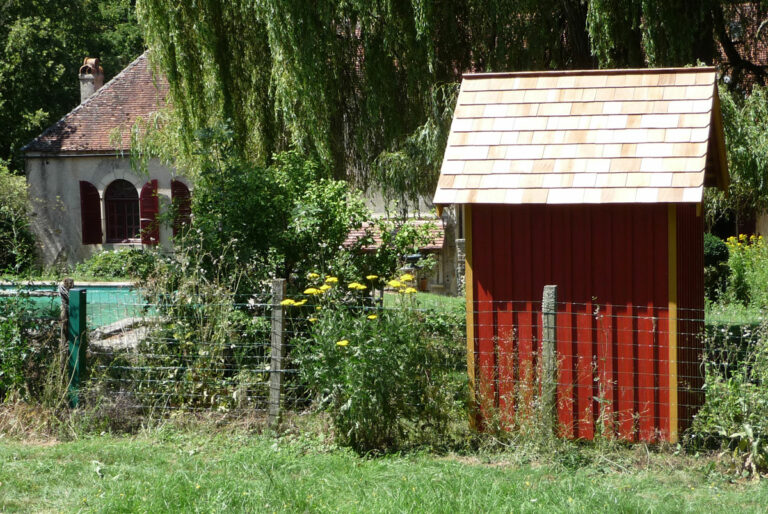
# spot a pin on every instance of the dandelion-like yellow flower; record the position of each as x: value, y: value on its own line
x: 372, y: 316
x: 357, y: 286
x: 353, y: 285
x: 331, y: 280
x: 324, y: 288
x: 343, y: 342
x: 318, y: 308
x: 394, y: 283
x: 312, y: 320
x: 312, y: 276
x: 312, y: 291
x: 288, y: 302
x: 371, y: 277
x: 409, y: 290
x: 300, y: 303
x: 407, y: 277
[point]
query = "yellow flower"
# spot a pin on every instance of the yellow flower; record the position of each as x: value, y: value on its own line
x: 312, y: 320
x: 407, y: 277
x: 312, y: 291
x: 324, y: 288
x: 313, y: 276
x: 343, y: 342
x: 409, y: 290
x: 742, y: 237
x: 372, y: 316
x: 371, y: 277
x: 394, y: 283
x: 357, y: 286
x: 318, y: 308
x: 288, y: 302
x: 300, y: 302
x: 353, y: 285
x: 331, y: 280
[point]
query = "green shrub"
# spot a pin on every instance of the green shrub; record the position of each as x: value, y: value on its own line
x: 736, y: 406
x: 389, y: 378
x: 748, y: 263
x: 28, y: 349
x: 16, y: 241
x: 716, y: 269
x: 126, y: 263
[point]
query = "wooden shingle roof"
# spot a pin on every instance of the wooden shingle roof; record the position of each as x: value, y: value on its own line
x: 599, y: 136
x: 133, y: 93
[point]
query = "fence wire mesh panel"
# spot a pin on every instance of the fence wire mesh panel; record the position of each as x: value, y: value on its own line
x: 639, y: 373
x: 622, y: 370
x: 213, y: 353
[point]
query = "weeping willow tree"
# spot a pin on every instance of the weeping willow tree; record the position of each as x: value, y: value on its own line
x: 368, y: 87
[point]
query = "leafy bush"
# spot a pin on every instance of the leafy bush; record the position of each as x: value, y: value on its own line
x: 716, y: 269
x: 131, y: 263
x: 28, y: 349
x: 277, y: 220
x: 202, y: 345
x: 736, y: 407
x: 748, y: 263
x: 389, y: 378
x: 16, y: 241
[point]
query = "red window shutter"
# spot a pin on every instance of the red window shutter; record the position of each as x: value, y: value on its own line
x: 90, y: 213
x: 182, y: 203
x: 149, y: 206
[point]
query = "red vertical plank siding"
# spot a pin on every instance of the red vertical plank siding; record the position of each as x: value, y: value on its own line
x: 624, y: 343
x: 504, y: 241
x: 524, y: 292
x: 582, y: 296
x: 661, y: 300
x: 561, y: 276
x: 610, y: 263
x: 602, y: 267
x: 483, y: 248
x: 643, y: 284
x: 690, y: 290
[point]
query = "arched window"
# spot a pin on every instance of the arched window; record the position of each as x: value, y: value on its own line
x: 182, y: 204
x: 121, y: 203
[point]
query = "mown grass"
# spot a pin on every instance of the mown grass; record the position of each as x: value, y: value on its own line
x: 169, y: 470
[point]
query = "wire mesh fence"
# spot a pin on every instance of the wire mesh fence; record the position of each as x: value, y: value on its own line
x: 636, y: 372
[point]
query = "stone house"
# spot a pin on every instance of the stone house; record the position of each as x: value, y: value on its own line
x: 85, y: 196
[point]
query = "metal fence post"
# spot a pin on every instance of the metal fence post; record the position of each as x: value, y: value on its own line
x: 77, y: 339
x: 64, y: 287
x: 276, y: 366
x: 549, y: 358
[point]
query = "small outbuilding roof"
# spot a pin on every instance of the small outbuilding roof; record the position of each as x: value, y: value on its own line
x: 598, y: 136
x: 133, y: 93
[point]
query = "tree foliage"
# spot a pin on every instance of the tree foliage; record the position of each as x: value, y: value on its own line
x: 367, y: 87
x: 42, y: 45
x: 745, y: 123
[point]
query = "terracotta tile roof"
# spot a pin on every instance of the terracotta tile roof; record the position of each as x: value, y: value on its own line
x: 437, y: 234
x: 134, y: 92
x: 603, y: 136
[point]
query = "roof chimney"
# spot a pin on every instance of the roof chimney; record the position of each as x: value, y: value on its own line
x: 91, y: 77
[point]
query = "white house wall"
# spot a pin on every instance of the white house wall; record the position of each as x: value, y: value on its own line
x: 54, y: 189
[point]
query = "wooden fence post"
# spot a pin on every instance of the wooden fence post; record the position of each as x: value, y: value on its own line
x: 549, y: 358
x: 278, y: 348
x: 77, y: 338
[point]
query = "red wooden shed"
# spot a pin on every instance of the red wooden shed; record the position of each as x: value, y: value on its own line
x: 593, y: 181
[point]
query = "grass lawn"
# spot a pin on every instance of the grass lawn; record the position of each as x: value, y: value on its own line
x: 172, y: 471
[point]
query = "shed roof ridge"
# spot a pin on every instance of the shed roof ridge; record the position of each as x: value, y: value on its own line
x: 554, y: 73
